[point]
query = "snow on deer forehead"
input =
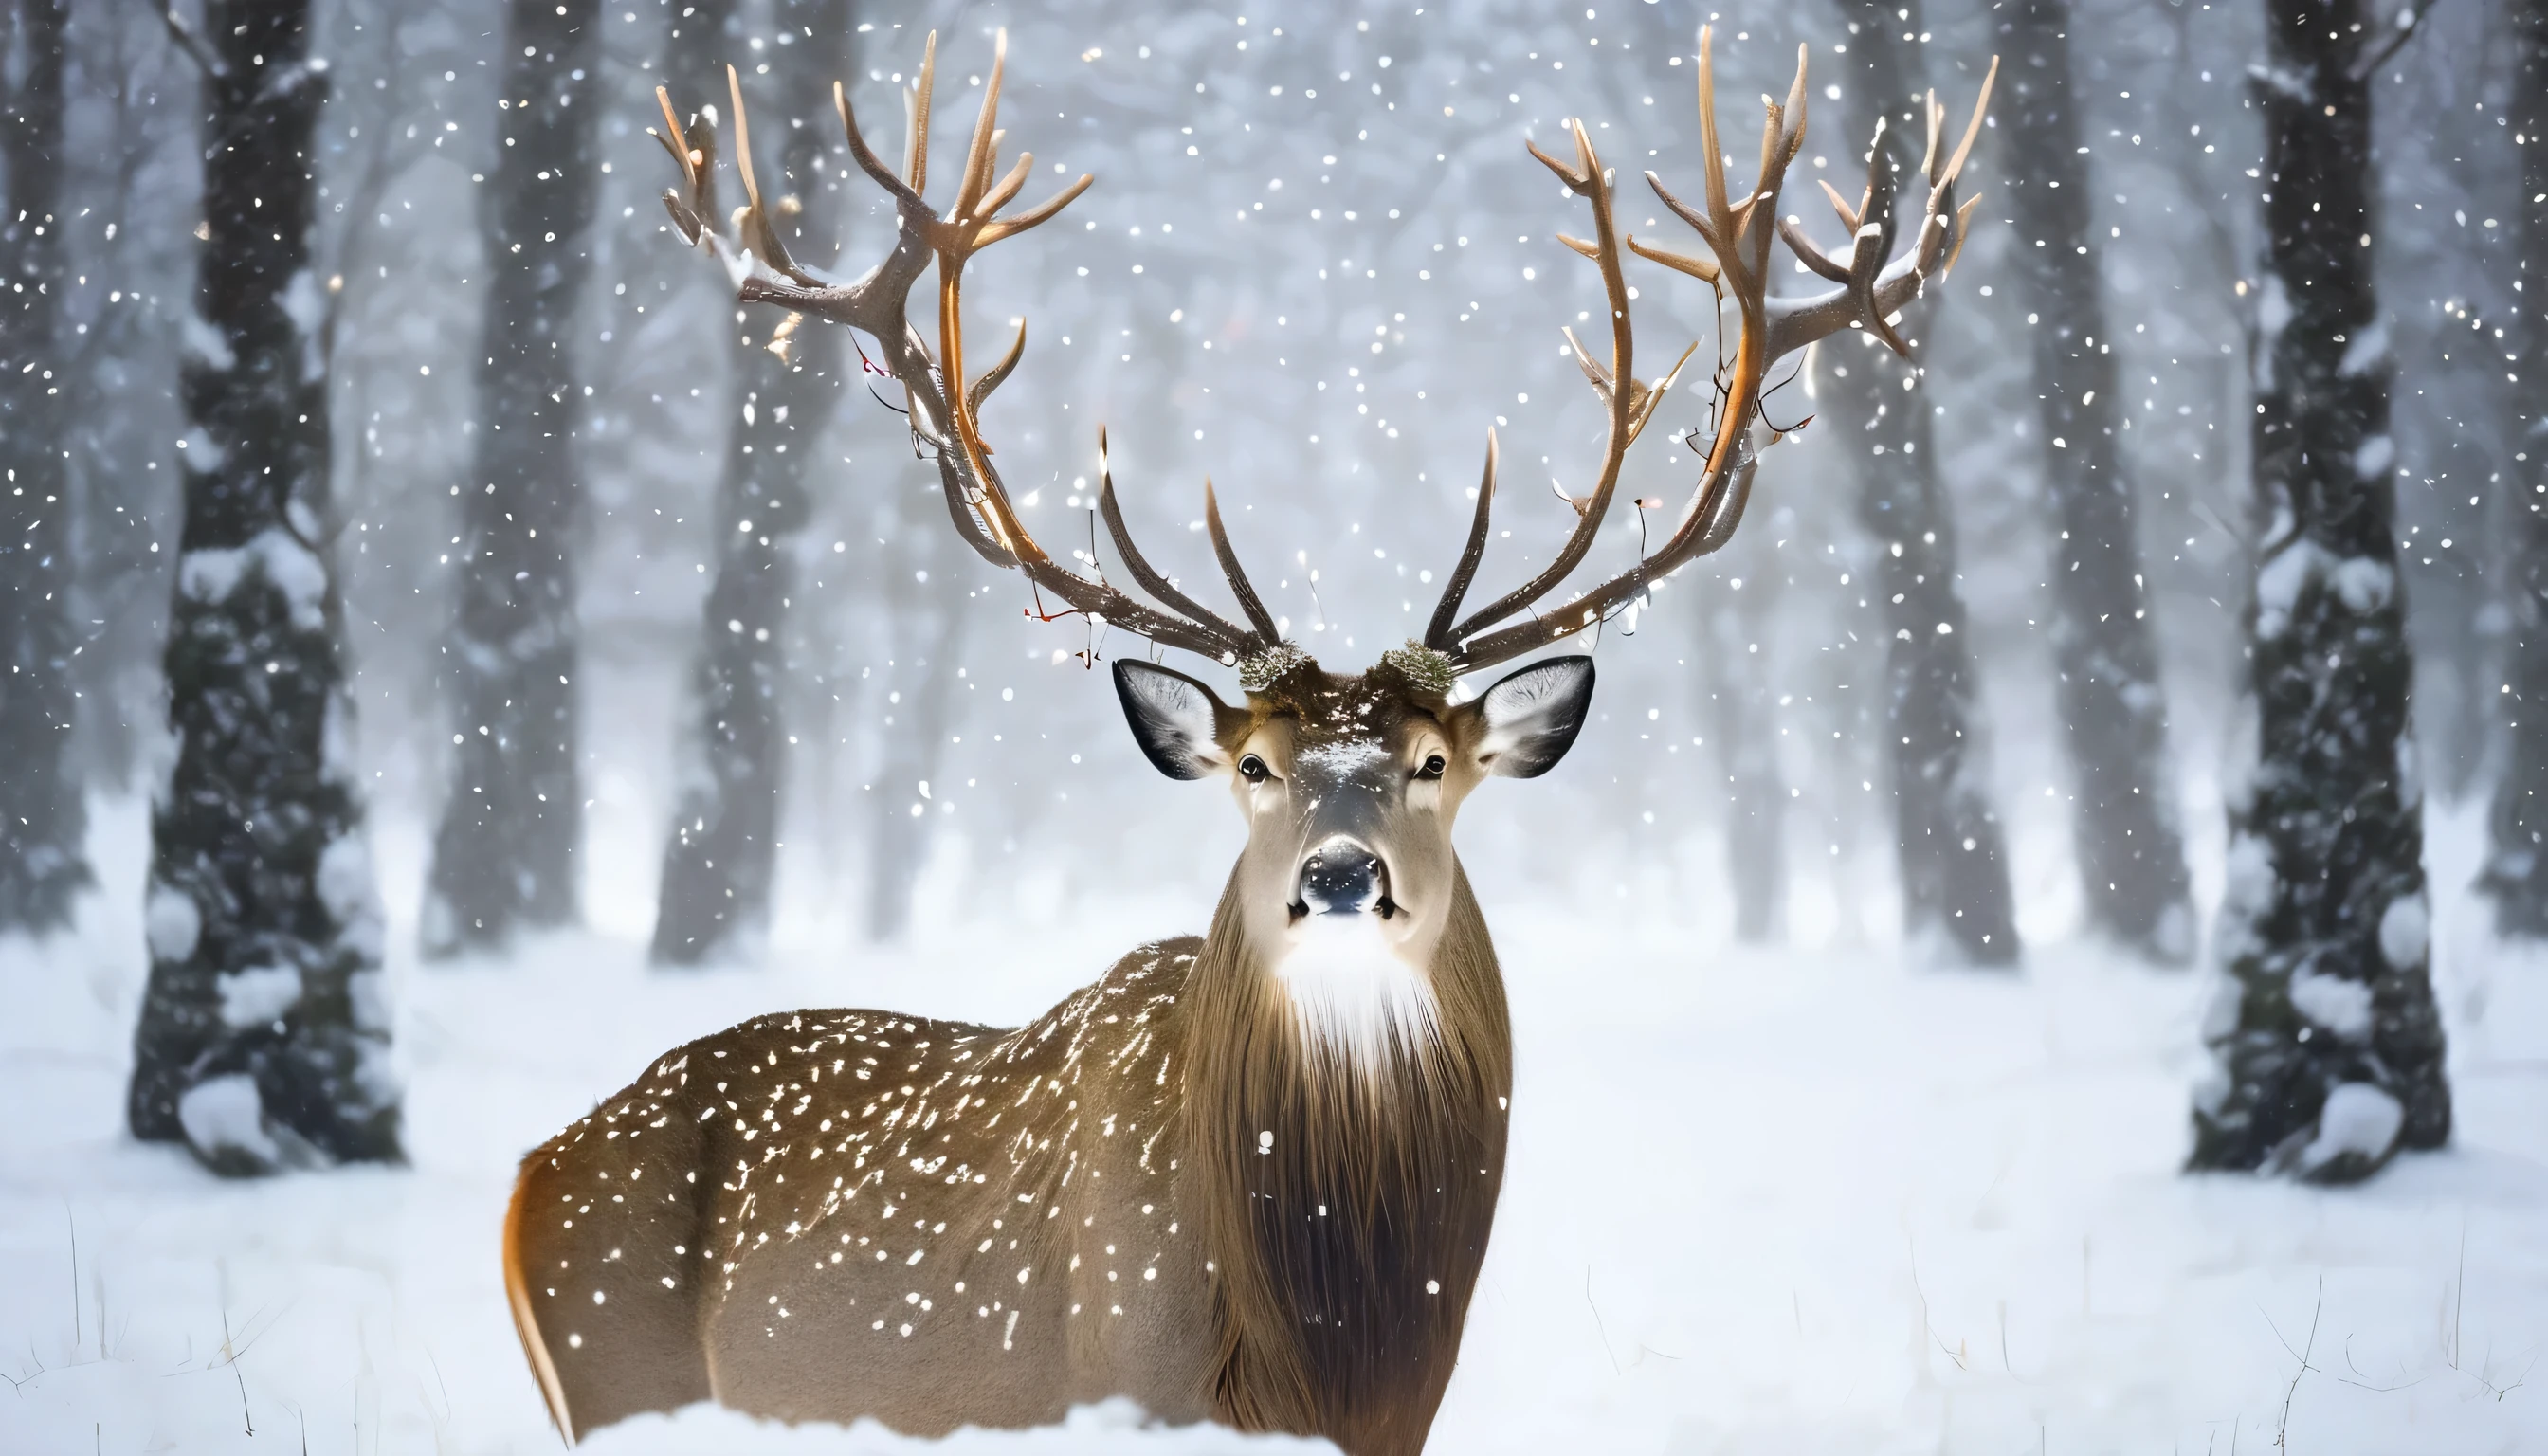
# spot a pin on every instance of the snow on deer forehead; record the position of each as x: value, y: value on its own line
x: 1333, y: 712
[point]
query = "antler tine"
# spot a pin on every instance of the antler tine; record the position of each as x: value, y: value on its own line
x: 1725, y: 512
x: 1649, y: 397
x: 1703, y: 269
x: 1008, y: 187
x: 1699, y: 221
x: 693, y: 205
x: 1888, y: 287
x: 742, y: 141
x: 1840, y: 205
x: 1438, y: 632
x: 670, y: 136
x: 944, y: 406
x: 1010, y: 226
x: 1742, y: 249
x: 1618, y: 387
x: 986, y: 137
x: 1714, y: 174
x: 1586, y: 162
x: 1936, y: 117
x: 1811, y: 256
x: 1565, y: 173
x: 1941, y: 188
x: 1874, y: 245
x: 1782, y: 133
x: 1792, y: 139
x: 1972, y: 128
x: 868, y: 162
x: 956, y: 240
x: 1767, y: 183
x: 1869, y: 293
x: 1738, y: 264
x: 1600, y: 377
x: 1963, y: 226
x: 993, y: 377
x: 915, y: 102
x: 1714, y: 514
x: 760, y: 234
x: 1151, y: 580
x: 943, y: 403
x: 1714, y: 511
x: 1267, y: 633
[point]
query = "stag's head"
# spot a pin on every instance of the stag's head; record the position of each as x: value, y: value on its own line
x: 1349, y: 785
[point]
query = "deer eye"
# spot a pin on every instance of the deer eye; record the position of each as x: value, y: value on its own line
x: 1253, y: 770
x: 1433, y: 767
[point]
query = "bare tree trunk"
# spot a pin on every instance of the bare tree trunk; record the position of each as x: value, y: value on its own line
x: 1954, y: 864
x: 505, y: 857
x: 120, y: 398
x: 2328, y: 1044
x: 44, y: 819
x: 2517, y: 871
x: 1747, y: 734
x: 264, y: 1034
x: 2113, y: 709
x: 720, y: 859
x: 913, y: 739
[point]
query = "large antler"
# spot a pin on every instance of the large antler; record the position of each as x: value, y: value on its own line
x: 945, y: 406
x: 1738, y: 232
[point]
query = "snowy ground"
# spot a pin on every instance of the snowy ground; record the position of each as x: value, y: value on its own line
x: 1801, y: 1203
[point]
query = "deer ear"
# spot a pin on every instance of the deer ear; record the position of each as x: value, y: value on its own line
x: 1175, y: 718
x: 1529, y: 720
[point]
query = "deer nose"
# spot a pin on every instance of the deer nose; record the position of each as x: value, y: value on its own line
x: 1342, y: 878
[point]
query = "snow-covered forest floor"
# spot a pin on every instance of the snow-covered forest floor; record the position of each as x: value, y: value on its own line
x: 1759, y: 1202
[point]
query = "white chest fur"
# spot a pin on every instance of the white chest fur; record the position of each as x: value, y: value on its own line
x: 1351, y: 991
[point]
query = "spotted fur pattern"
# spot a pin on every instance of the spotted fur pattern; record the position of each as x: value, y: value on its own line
x: 1176, y: 1186
x: 837, y: 1214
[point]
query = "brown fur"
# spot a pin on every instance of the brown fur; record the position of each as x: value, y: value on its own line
x: 828, y: 1214
x: 517, y: 1299
x: 1315, y: 1326
x: 1377, y: 1184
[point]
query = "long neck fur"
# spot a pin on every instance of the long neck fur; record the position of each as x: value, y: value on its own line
x: 1325, y: 1322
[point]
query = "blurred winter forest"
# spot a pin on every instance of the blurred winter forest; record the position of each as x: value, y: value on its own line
x: 1316, y: 266
x: 659, y: 647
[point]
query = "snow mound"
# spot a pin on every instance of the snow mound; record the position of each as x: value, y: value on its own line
x: 1089, y: 1431
x: 2358, y: 1119
x: 225, y: 1113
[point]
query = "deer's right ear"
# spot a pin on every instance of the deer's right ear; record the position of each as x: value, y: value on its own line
x: 1175, y: 718
x: 1530, y: 719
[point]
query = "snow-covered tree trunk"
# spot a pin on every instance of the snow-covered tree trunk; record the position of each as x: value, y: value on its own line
x: 1954, y: 864
x: 2517, y: 871
x: 719, y: 860
x: 42, y: 818
x: 505, y: 857
x: 2114, y: 710
x: 264, y: 1036
x: 2328, y: 1044
x: 1746, y: 730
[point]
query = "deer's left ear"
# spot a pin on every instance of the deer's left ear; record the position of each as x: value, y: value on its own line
x: 1175, y: 718
x: 1526, y: 722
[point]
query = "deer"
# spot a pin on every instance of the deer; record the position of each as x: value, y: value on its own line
x: 1245, y: 1177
